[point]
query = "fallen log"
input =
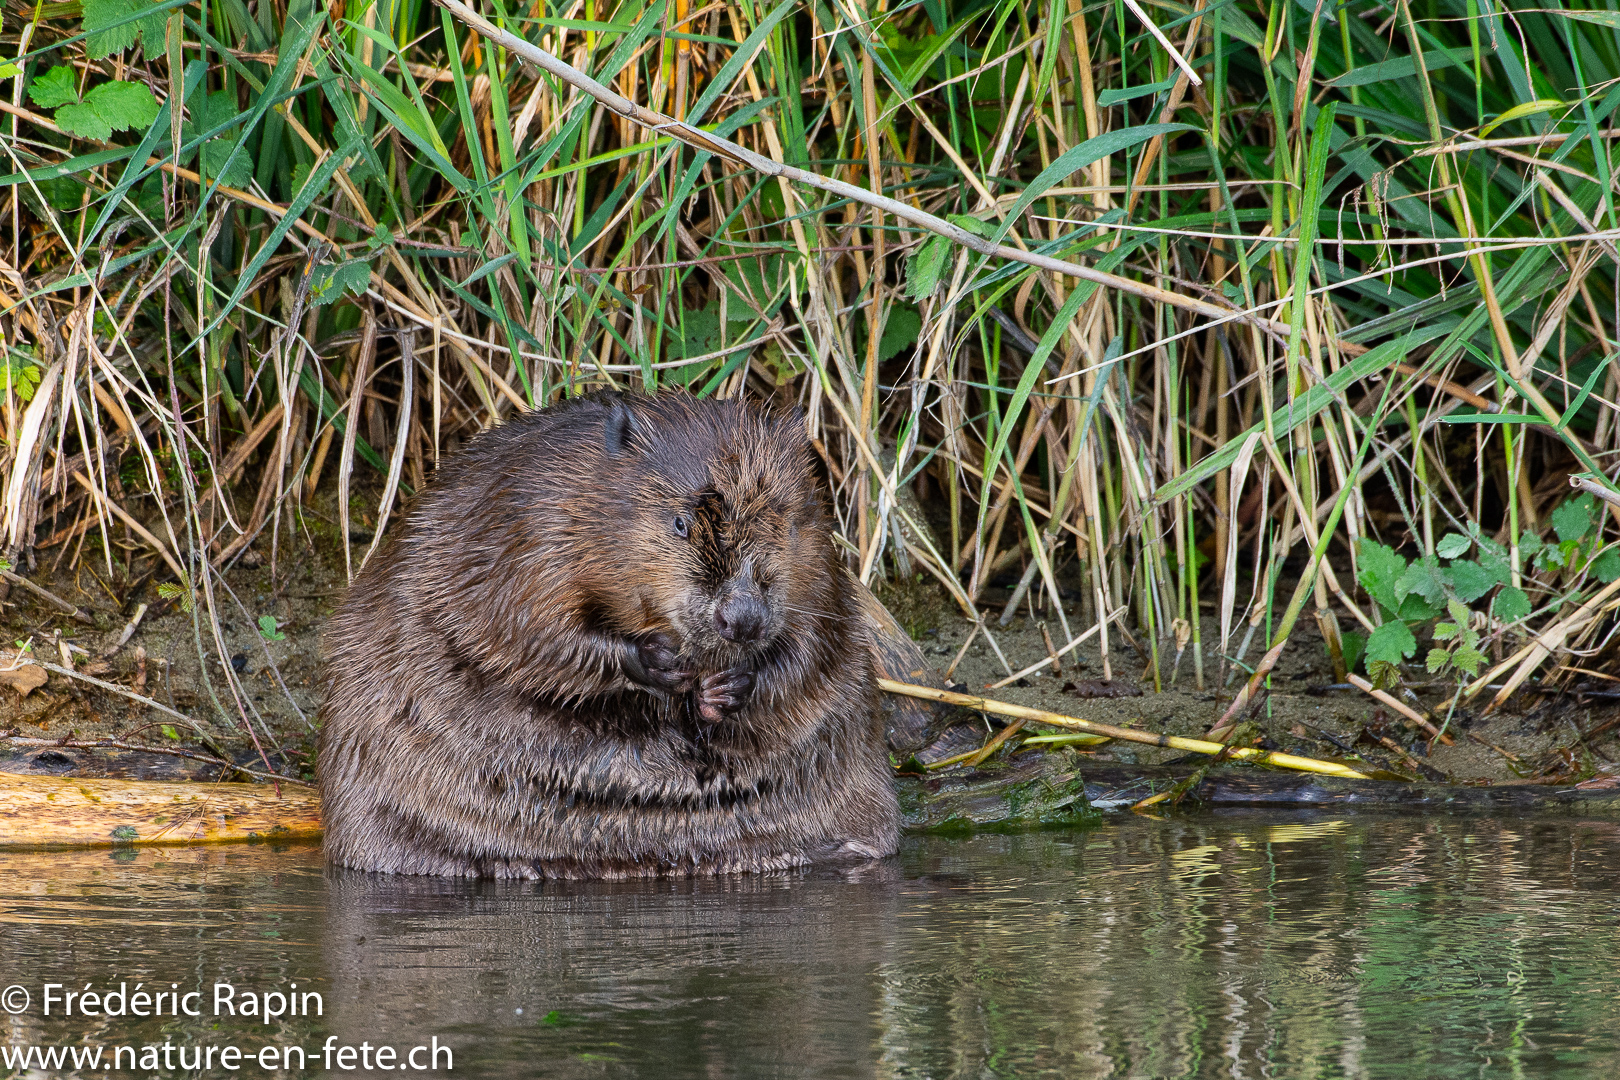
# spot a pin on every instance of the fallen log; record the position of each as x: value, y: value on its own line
x: 41, y: 811
x: 1063, y: 787
x: 1111, y: 786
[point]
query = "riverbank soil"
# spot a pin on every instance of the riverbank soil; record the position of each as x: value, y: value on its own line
x: 248, y: 682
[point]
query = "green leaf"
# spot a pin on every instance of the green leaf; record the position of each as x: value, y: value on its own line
x: 55, y: 87
x: 1571, y: 520
x: 1130, y: 93
x: 1381, y: 568
x: 300, y: 175
x: 267, y: 629
x: 1469, y: 580
x: 1495, y: 563
x: 124, y: 105
x: 1391, y: 643
x: 171, y: 590
x: 1510, y: 605
x: 1383, y: 674
x: 1445, y: 631
x: 328, y: 283
x: 9, y: 70
x: 971, y: 224
x: 1452, y: 545
x: 900, y: 330
x: 113, y: 25
x: 1437, y: 659
x: 208, y: 112
x: 1354, y: 645
x: 83, y: 120
x: 1416, y: 609
x: 1492, y: 418
x: 169, y: 732
x: 1606, y: 567
x: 1423, y: 579
x: 1529, y: 543
x: 19, y: 375
x: 924, y: 268
x: 1468, y: 659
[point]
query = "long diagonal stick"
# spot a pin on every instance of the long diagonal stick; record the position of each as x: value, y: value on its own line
x: 725, y: 148
x: 1174, y: 742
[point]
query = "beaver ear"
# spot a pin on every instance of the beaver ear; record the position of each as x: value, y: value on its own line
x: 618, y: 429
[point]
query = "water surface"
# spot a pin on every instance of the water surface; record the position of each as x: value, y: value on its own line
x: 1231, y: 946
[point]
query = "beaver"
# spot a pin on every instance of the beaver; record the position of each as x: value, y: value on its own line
x: 613, y: 638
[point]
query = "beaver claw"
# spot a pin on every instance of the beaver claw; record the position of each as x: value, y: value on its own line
x: 724, y: 693
x: 654, y: 661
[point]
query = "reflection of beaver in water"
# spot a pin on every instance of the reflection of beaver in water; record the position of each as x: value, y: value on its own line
x: 613, y: 639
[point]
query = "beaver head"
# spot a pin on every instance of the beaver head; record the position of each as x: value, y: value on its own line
x: 723, y: 533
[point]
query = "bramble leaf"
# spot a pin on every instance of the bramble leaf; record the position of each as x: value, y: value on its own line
x: 1452, y: 545
x: 1383, y: 674
x: 1445, y: 631
x: 1437, y: 659
x: 1469, y: 580
x: 210, y: 111
x: 170, y: 590
x: 1416, y: 609
x: 924, y: 268
x: 1468, y: 659
x: 1391, y: 643
x: 124, y: 105
x: 329, y: 283
x: 1423, y: 579
x: 899, y: 330
x: 55, y: 87
x: 1571, y: 520
x: 1511, y: 605
x: 83, y: 120
x: 113, y: 25
x: 1380, y: 569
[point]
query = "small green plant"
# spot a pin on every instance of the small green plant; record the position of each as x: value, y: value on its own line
x: 102, y: 110
x: 173, y: 590
x: 268, y: 630
x: 1579, y: 548
x: 1411, y: 594
x: 19, y: 375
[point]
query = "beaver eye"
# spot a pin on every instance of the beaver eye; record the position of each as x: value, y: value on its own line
x: 682, y: 526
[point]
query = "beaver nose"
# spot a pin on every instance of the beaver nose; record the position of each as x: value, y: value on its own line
x: 740, y: 617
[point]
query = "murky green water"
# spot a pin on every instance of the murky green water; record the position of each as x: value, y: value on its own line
x: 1231, y: 947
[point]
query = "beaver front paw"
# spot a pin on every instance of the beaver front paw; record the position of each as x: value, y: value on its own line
x: 654, y: 661
x: 724, y: 693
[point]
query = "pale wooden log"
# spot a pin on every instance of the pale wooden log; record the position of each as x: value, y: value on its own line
x: 38, y: 811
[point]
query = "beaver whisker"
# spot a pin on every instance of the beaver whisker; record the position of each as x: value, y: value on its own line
x: 821, y: 614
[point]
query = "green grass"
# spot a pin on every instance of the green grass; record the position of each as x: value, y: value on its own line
x: 1418, y: 203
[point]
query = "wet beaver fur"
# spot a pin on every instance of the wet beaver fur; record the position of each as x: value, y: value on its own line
x: 612, y: 639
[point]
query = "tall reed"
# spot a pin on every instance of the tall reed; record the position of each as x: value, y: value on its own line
x: 261, y: 254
